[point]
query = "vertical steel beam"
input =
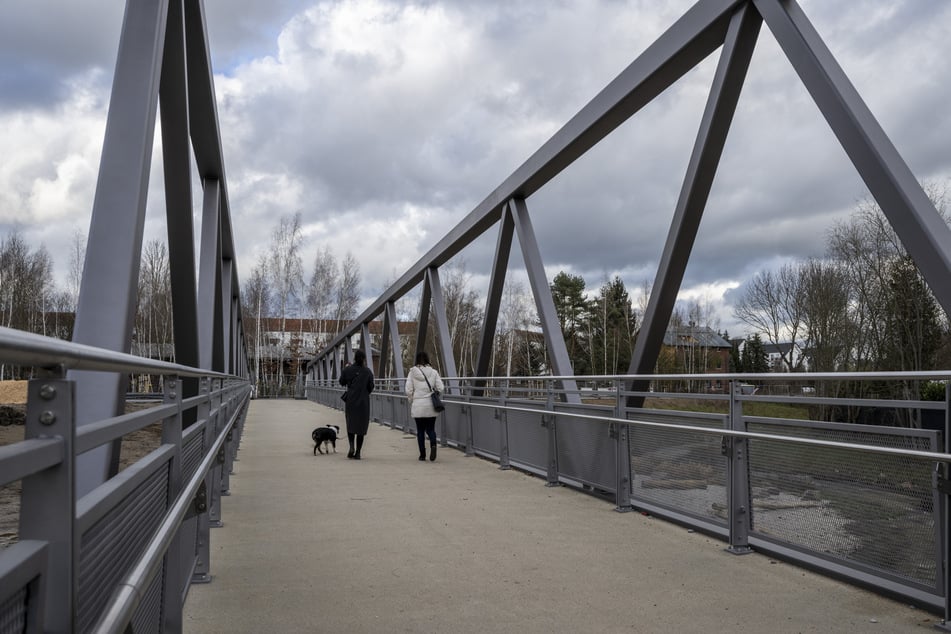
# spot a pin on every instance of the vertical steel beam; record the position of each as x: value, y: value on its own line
x: 708, y: 147
x: 176, y: 156
x: 202, y: 571
x: 107, y: 297
x: 172, y: 571
x: 384, y: 343
x: 224, y: 316
x: 392, y: 326
x: 924, y: 233
x: 208, y: 295
x: 738, y: 476
x: 422, y: 321
x: 48, y: 505
x: 446, y: 356
x: 365, y: 343
x: 347, y: 350
x: 493, y: 300
x: 554, y: 339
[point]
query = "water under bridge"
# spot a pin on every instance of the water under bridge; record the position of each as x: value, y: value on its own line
x: 647, y: 508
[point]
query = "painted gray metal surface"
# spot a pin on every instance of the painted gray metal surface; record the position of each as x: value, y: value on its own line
x: 107, y: 295
x: 714, y: 126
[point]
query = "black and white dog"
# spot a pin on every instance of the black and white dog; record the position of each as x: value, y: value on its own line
x: 326, y: 436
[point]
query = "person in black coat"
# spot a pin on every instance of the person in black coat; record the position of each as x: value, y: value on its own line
x: 358, y: 380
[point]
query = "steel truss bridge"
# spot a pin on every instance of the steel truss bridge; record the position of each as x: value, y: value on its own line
x: 105, y: 550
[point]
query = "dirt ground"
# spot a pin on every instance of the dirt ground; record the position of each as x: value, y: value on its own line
x: 12, y: 415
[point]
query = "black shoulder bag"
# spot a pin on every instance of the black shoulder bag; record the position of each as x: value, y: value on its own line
x: 343, y: 396
x: 437, y: 400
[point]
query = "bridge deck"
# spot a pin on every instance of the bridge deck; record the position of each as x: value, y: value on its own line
x: 390, y: 544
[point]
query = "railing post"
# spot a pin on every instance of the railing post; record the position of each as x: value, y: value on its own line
x: 548, y: 420
x: 202, y: 573
x: 48, y: 499
x: 943, y: 475
x: 738, y: 474
x: 623, y: 453
x: 443, y: 441
x: 470, y: 450
x: 172, y: 587
x: 228, y: 448
x: 503, y: 417
x: 215, y: 423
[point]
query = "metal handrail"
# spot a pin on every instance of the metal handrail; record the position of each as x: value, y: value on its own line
x: 129, y: 593
x: 28, y: 349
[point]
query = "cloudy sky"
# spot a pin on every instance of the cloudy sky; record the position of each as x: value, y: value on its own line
x: 384, y: 123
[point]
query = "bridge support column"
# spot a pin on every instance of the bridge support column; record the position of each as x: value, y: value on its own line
x: 48, y: 502
x: 503, y: 417
x: 216, y: 422
x: 623, y: 452
x: 548, y: 421
x: 172, y: 570
x: 738, y: 476
x: 202, y: 570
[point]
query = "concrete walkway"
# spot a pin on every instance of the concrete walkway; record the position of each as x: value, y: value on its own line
x: 391, y: 544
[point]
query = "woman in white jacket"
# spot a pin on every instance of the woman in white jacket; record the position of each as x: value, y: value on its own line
x: 420, y: 383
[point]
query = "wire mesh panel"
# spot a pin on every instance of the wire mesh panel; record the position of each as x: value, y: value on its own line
x: 453, y: 424
x: 586, y: 451
x: 13, y: 613
x: 123, y: 532
x: 528, y: 440
x: 681, y: 470
x: 870, y: 509
x: 485, y: 431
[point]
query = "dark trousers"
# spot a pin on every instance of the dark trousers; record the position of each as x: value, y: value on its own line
x: 425, y: 427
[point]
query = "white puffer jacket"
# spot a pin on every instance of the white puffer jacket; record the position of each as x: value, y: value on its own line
x: 420, y: 405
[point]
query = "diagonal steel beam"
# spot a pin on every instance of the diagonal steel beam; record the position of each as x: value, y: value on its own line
x: 392, y: 334
x: 686, y: 43
x: 107, y: 297
x: 209, y: 291
x: 176, y: 156
x: 422, y: 322
x: 708, y: 148
x: 541, y: 290
x: 913, y: 216
x: 443, y: 341
x: 493, y: 301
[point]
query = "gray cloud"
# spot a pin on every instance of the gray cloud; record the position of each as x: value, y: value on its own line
x: 384, y: 123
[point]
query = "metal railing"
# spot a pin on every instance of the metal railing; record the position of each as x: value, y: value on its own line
x: 767, y: 465
x: 123, y: 555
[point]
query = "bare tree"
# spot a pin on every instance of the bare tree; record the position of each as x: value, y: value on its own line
x: 463, y: 314
x: 77, y: 259
x: 896, y: 319
x: 286, y: 273
x: 321, y: 289
x: 257, y: 298
x: 826, y: 315
x: 348, y: 291
x: 772, y: 305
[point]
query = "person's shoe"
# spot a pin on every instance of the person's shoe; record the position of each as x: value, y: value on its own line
x: 356, y: 456
x: 432, y: 451
x: 422, y: 457
x: 350, y: 454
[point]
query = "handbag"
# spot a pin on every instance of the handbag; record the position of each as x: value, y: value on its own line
x: 343, y: 397
x: 437, y: 400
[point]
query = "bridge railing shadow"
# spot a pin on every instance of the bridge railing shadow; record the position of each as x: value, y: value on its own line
x: 793, y: 465
x: 124, y: 554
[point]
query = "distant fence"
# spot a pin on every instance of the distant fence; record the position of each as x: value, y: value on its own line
x: 865, y: 503
x: 121, y: 557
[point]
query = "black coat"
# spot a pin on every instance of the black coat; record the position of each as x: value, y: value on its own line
x: 359, y: 382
